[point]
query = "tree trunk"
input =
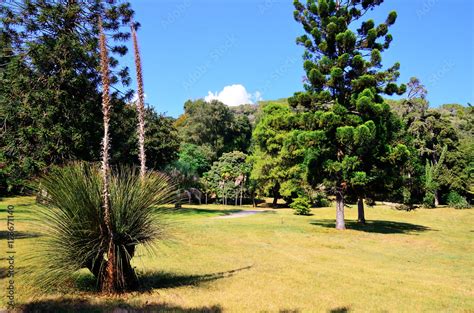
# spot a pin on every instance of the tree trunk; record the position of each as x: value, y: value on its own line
x: 340, y: 224
x: 436, y: 198
x: 360, y: 210
x: 275, y: 197
x: 206, y: 198
x: 275, y: 202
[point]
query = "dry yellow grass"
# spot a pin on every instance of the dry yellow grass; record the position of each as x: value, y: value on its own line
x: 421, y: 261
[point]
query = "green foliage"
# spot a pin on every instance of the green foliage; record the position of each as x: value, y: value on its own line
x: 50, y: 100
x: 320, y: 200
x: 228, y: 177
x: 429, y: 200
x: 457, y: 201
x: 215, y: 126
x: 301, y: 206
x: 74, y: 220
x: 161, y: 140
x: 194, y: 159
x: 358, y: 148
x: 278, y: 153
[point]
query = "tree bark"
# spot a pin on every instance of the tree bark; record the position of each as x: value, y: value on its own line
x: 340, y: 224
x: 436, y: 198
x: 275, y: 202
x: 360, y: 210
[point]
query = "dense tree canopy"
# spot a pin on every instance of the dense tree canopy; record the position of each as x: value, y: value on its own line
x: 214, y: 125
x: 227, y: 177
x: 50, y: 97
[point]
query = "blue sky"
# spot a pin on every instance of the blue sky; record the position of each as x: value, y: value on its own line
x: 245, y: 50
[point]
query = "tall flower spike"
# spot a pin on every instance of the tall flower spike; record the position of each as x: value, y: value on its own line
x: 109, y: 279
x: 140, y: 104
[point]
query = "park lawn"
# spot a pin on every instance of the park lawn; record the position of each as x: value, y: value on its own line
x: 421, y: 261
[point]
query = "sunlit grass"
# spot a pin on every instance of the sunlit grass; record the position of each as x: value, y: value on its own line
x: 276, y: 261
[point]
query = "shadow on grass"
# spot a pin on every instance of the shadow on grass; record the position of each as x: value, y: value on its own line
x: 196, y: 211
x: 3, y: 272
x: 381, y: 227
x: 150, y: 281
x: 158, y: 280
x: 80, y: 305
x: 18, y: 234
x: 342, y: 309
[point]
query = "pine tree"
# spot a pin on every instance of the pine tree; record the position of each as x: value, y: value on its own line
x: 50, y: 99
x: 343, y: 88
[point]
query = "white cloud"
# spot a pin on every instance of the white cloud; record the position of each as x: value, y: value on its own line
x: 234, y: 95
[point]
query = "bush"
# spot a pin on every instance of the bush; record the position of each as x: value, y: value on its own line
x: 429, y: 200
x: 301, y: 206
x: 321, y: 200
x: 457, y: 201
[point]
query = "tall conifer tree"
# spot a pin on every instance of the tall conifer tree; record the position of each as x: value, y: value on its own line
x: 343, y: 92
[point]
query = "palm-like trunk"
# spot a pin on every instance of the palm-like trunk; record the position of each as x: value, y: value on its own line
x: 360, y: 210
x: 140, y: 104
x: 109, y: 279
x: 340, y: 224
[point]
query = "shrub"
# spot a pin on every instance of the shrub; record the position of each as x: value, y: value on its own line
x: 75, y: 237
x: 457, y: 201
x: 429, y: 200
x: 321, y: 200
x: 301, y: 206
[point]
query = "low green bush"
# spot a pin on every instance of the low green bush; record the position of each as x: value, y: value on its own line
x: 302, y: 206
x: 457, y: 201
x: 429, y: 200
x: 321, y: 200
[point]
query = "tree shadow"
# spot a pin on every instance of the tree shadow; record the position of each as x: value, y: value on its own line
x: 18, y: 234
x: 341, y: 309
x: 81, y: 305
x: 3, y: 272
x: 196, y: 211
x: 381, y: 227
x: 159, y: 280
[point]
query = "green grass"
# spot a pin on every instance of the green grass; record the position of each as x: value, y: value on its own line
x: 421, y: 261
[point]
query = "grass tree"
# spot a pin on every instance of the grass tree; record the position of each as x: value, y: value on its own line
x: 96, y: 217
x: 140, y: 102
x: 76, y: 235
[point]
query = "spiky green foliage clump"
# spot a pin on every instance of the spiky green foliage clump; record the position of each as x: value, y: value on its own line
x: 76, y: 235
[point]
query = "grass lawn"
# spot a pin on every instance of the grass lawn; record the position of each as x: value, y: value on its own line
x: 421, y: 261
